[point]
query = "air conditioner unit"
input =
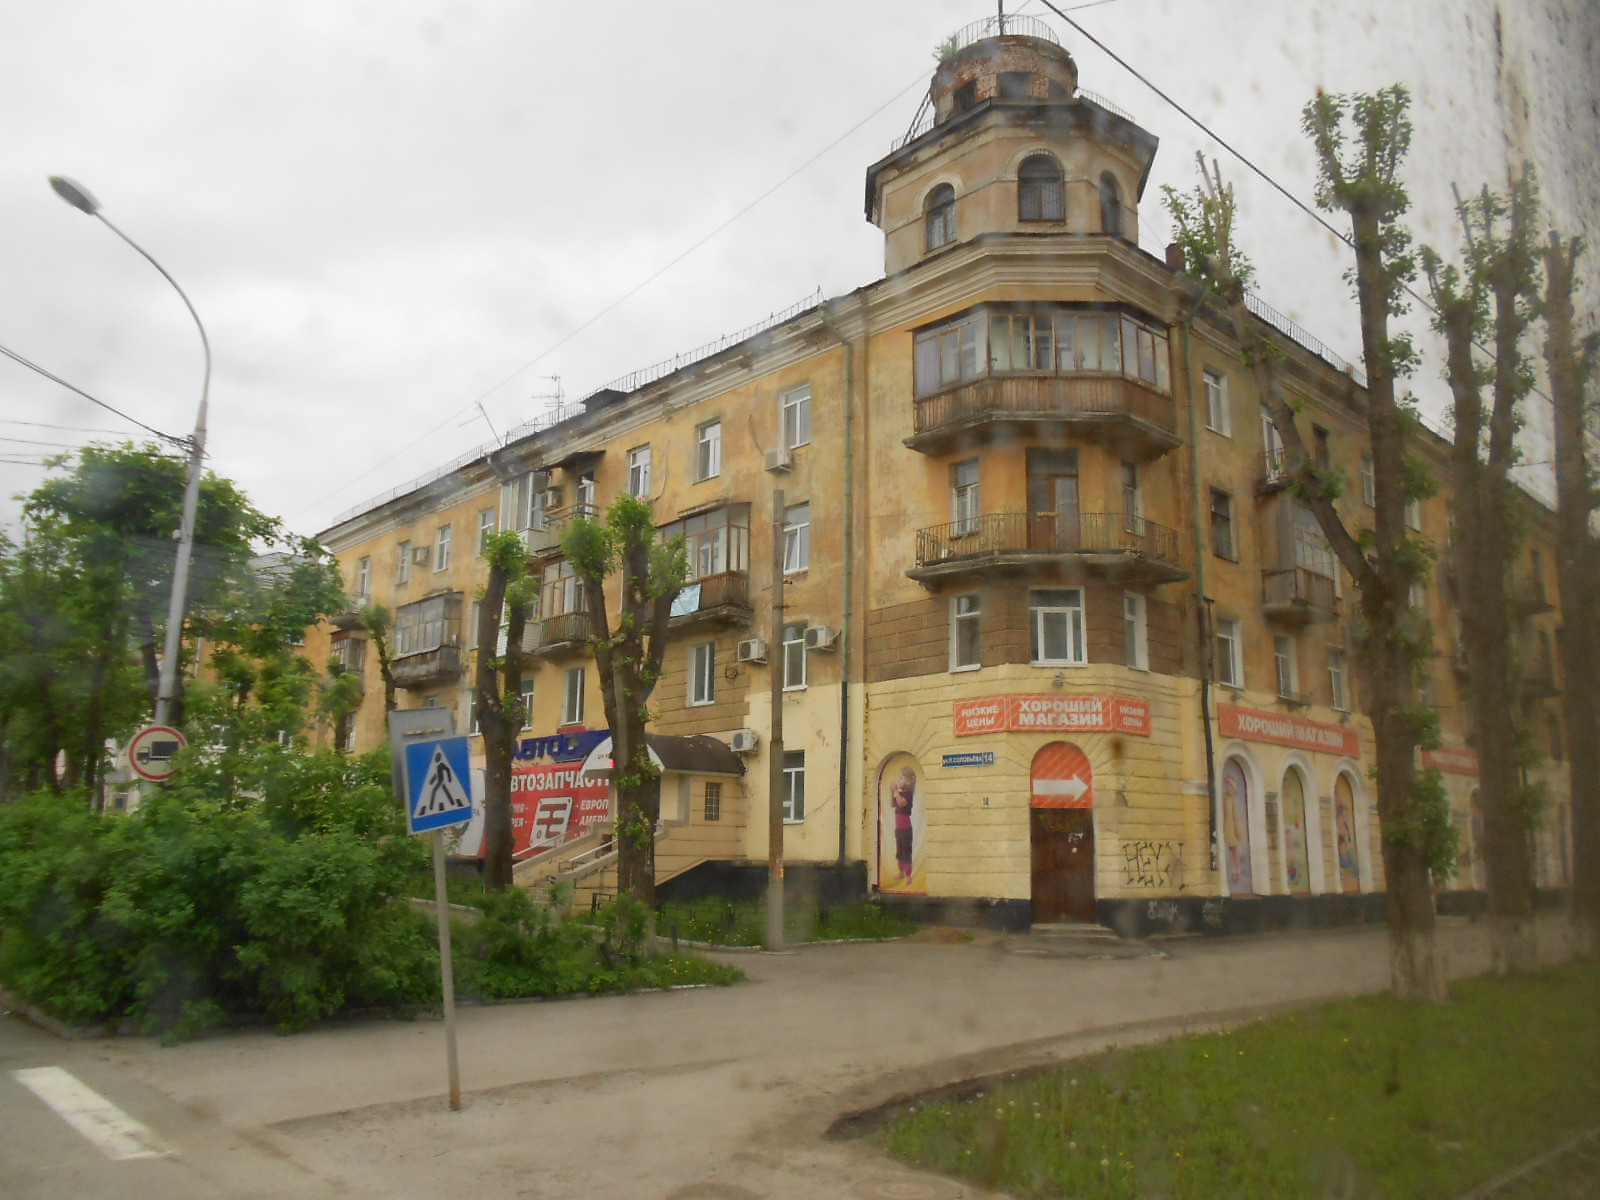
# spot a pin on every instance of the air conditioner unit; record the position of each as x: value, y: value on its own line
x: 550, y: 498
x: 743, y: 741
x: 419, y: 555
x: 820, y: 637
x: 752, y: 650
x: 778, y: 460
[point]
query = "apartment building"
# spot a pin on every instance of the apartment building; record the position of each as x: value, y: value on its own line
x: 1057, y: 642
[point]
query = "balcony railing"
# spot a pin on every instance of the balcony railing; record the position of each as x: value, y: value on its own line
x: 1120, y: 545
x: 1298, y: 593
x: 565, y: 629
x: 1111, y: 401
x: 427, y: 667
x: 711, y: 597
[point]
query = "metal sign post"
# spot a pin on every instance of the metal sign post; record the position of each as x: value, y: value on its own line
x: 434, y: 778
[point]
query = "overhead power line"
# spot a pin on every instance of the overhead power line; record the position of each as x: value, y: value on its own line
x: 54, y: 378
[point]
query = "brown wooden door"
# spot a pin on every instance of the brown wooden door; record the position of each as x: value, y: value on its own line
x: 1063, y: 864
x: 1053, y: 500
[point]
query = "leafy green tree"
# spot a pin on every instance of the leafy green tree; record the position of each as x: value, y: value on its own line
x: 628, y: 658
x: 1493, y: 296
x: 498, y: 680
x: 1419, y: 838
x: 378, y: 622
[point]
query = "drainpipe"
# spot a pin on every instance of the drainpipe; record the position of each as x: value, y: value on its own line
x: 847, y: 615
x: 1202, y: 609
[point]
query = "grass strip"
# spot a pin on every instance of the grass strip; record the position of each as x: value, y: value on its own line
x: 722, y: 922
x: 1372, y: 1097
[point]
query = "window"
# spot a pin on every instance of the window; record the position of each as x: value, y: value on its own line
x: 796, y: 411
x: 1414, y: 515
x: 441, y: 548
x: 1230, y: 654
x: 1057, y: 620
x: 1417, y: 596
x: 965, y: 648
x: 639, y: 471
x: 1041, y: 194
x: 350, y: 653
x: 1218, y: 419
x: 364, y: 576
x: 585, y: 498
x: 1222, y: 525
x: 713, y: 802
x: 966, y: 96
x: 346, y: 734
x: 485, y: 529
x: 560, y: 591
x: 1110, y: 206
x: 796, y: 538
x: 708, y: 450
x: 522, y: 501
x: 948, y: 355
x: 1144, y: 352
x: 1321, y: 449
x: 1283, y: 658
x: 572, y: 712
x: 527, y: 703
x: 794, y: 785
x: 1041, y: 340
x: 794, y: 656
x: 1338, y: 680
x: 473, y: 728
x: 940, y: 217
x: 964, y: 497
x: 1275, y: 461
x: 1014, y: 85
x: 716, y: 542
x: 402, y: 562
x: 1136, y: 631
x: 427, y: 625
x: 703, y: 673
x: 1369, y: 481
x: 1132, y: 499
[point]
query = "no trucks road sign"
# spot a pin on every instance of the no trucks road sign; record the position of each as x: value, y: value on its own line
x: 152, y: 751
x: 438, y: 784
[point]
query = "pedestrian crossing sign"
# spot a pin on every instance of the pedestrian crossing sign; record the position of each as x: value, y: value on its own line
x: 438, y: 784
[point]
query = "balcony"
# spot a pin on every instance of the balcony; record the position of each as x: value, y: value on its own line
x: 545, y: 539
x: 1110, y: 546
x: 722, y: 599
x: 350, y: 616
x: 1298, y: 596
x: 427, y: 667
x: 1121, y: 411
x: 564, y: 633
x: 1274, y: 473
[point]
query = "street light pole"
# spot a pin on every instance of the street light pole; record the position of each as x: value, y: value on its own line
x: 79, y: 197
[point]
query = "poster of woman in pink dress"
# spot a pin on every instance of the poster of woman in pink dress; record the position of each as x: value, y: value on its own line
x: 901, y: 821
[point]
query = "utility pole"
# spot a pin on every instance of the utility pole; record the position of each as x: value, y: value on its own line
x: 775, y: 667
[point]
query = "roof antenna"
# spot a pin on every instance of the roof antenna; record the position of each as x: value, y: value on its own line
x: 495, y: 433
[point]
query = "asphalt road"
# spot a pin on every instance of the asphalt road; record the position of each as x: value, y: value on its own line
x: 712, y: 1094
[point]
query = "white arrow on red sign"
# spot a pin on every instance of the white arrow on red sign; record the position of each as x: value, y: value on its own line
x: 1073, y: 787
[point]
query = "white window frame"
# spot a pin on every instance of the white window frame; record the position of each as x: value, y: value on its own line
x: 486, y: 528
x: 1339, y: 680
x: 797, y: 538
x: 1071, y: 613
x: 527, y: 702
x: 1230, y: 653
x: 794, y: 787
x: 639, y: 472
x: 794, y: 656
x: 1136, y: 630
x: 1274, y: 457
x: 586, y: 490
x: 711, y: 801
x: 708, y: 450
x: 794, y: 411
x: 1413, y: 515
x: 1286, y: 665
x: 966, y: 626
x: 1219, y: 418
x: 965, y: 498
x: 364, y: 576
x: 703, y: 673
x: 572, y: 707
x: 1369, y: 481
x: 402, y: 566
x: 441, y: 548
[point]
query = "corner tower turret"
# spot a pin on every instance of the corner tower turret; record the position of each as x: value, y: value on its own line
x: 1005, y: 143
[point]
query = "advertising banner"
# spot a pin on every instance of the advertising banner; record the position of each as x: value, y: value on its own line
x: 1458, y: 760
x: 552, y: 803
x: 1280, y: 729
x: 1051, y: 713
x: 902, y: 822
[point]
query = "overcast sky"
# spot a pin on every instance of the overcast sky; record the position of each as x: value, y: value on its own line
x: 386, y: 213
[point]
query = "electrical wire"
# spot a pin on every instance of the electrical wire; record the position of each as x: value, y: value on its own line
x: 54, y: 378
x: 65, y: 428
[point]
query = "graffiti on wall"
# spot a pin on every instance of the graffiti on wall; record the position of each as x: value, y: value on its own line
x: 1152, y: 864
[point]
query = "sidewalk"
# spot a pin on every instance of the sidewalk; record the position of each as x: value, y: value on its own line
x: 722, y: 1092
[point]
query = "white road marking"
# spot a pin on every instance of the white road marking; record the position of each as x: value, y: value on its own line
x: 113, y: 1132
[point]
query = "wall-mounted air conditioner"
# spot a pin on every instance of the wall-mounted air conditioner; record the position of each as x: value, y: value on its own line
x: 820, y: 637
x: 419, y: 555
x: 550, y: 498
x: 778, y: 460
x: 744, y: 741
x: 752, y: 650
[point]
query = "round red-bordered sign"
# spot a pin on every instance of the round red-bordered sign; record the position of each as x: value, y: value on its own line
x: 154, y: 751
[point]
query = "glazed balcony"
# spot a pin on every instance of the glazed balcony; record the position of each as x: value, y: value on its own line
x: 1119, y: 410
x: 1298, y: 596
x: 722, y: 599
x: 561, y: 634
x: 1111, y: 546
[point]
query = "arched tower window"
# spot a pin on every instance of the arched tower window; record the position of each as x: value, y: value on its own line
x: 1110, y: 206
x: 941, y: 216
x: 1041, y: 193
